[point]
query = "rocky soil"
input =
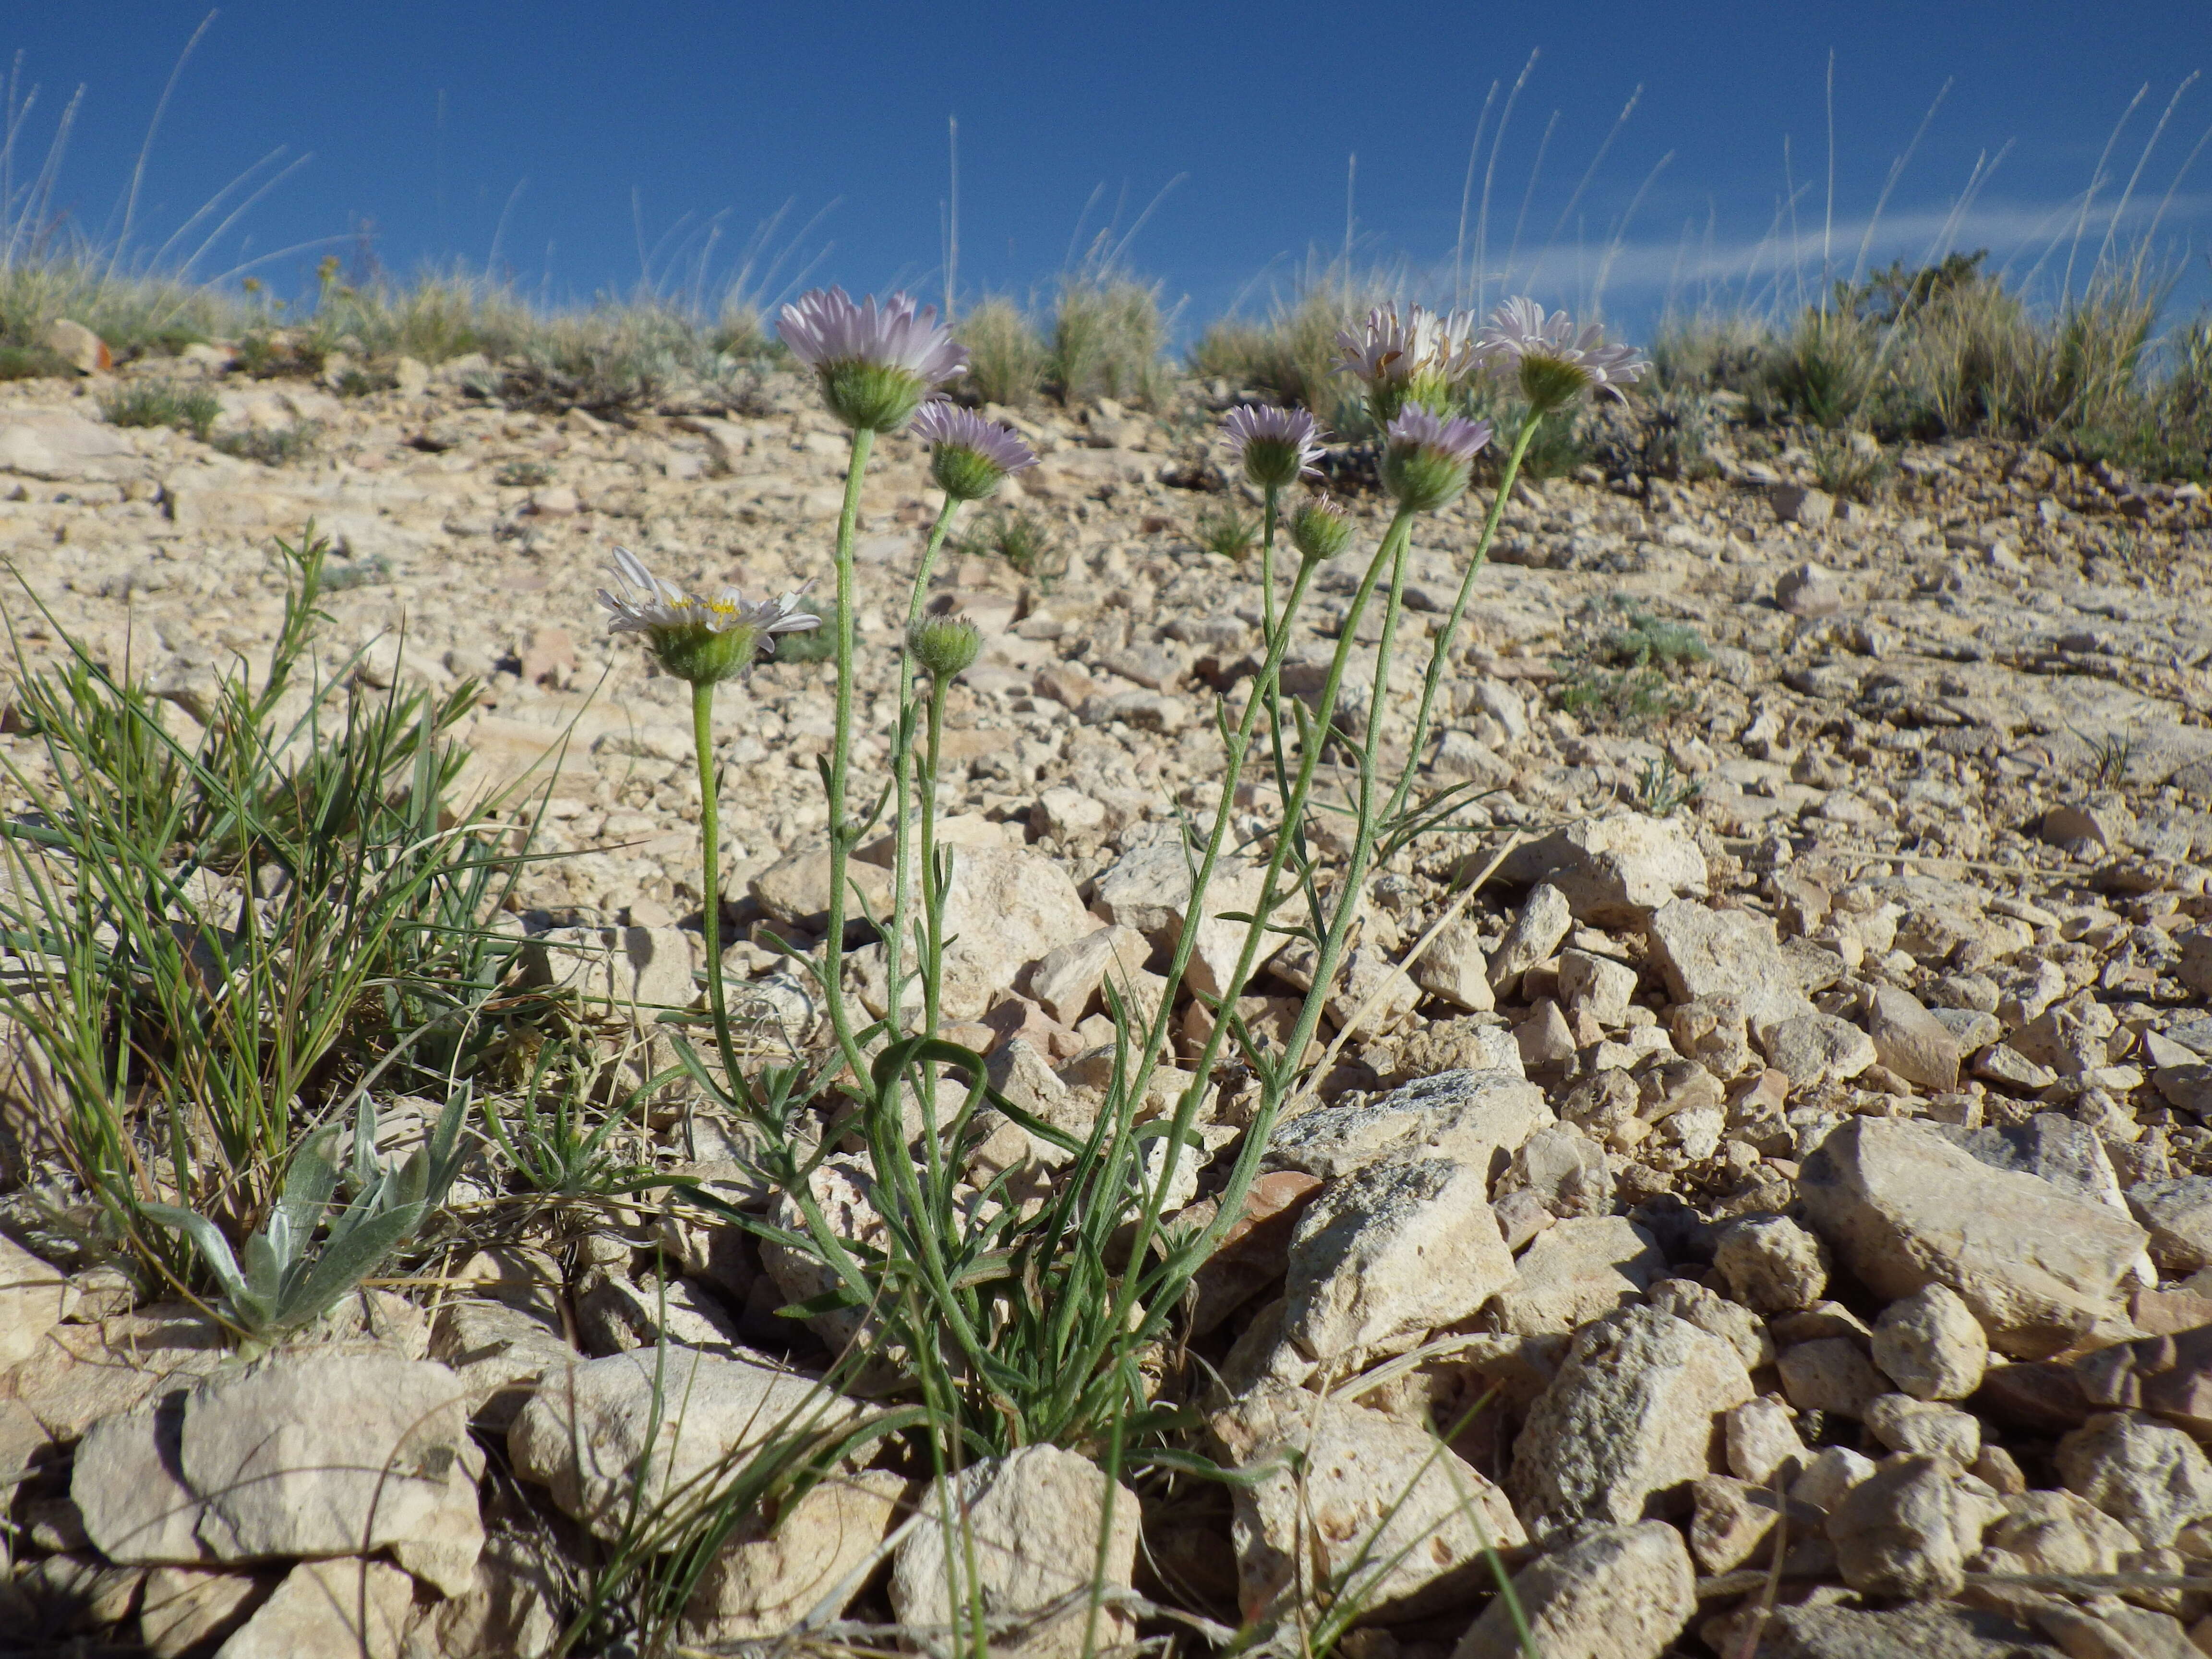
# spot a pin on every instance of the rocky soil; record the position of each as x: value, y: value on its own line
x: 1798, y: 1143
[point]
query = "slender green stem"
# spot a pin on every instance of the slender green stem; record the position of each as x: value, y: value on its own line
x: 1440, y: 653
x: 710, y: 841
x: 903, y: 768
x: 932, y: 897
x: 841, y: 759
x: 1267, y: 563
x: 1185, y: 1111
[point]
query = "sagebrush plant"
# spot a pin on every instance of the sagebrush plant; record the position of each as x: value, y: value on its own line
x: 1002, y: 1322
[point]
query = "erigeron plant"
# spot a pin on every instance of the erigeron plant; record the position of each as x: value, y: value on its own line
x: 1005, y: 1317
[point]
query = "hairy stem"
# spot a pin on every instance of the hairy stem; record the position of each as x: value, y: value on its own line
x: 903, y: 772
x: 841, y: 759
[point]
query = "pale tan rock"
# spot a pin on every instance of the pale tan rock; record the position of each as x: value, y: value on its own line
x: 768, y: 1577
x: 1902, y: 1207
x: 1380, y: 1504
x: 1900, y: 1532
x: 344, y: 1606
x: 1398, y: 1247
x: 1931, y: 1344
x: 1035, y: 1518
x: 33, y: 1296
x: 182, y: 1607
x: 1771, y: 1265
x: 1576, y: 1271
x: 1621, y: 1592
x: 1632, y: 1417
x: 1476, y: 1118
x: 685, y: 1411
x: 1614, y: 871
x: 1066, y: 981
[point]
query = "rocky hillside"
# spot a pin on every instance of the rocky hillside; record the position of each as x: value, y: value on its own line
x: 1796, y: 1138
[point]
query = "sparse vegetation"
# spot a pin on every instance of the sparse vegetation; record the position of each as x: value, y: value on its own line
x: 1024, y: 539
x: 192, y: 408
x: 1228, y: 530
x: 1005, y: 356
x: 271, y: 446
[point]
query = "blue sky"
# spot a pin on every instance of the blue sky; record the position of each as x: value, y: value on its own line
x: 545, y: 135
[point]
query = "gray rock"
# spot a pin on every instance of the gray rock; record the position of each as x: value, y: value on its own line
x: 1806, y: 590
x: 1377, y: 1502
x: 1911, y: 1040
x: 33, y: 1296
x: 1726, y: 953
x: 1824, y: 1631
x: 1034, y: 1518
x: 1708, y: 1310
x: 1614, y: 871
x: 2060, y: 1532
x: 633, y: 971
x: 349, y: 1607
x: 1454, y: 967
x: 1576, y: 1271
x: 1816, y: 1048
x: 1828, y: 1374
x: 1902, y: 1207
x: 1544, y: 920
x: 1396, y: 1248
x: 1931, y: 1344
x: 1762, y: 1444
x: 1632, y: 1419
x: 2070, y: 1156
x: 2178, y: 1216
x: 302, y: 1453
x: 1476, y: 1118
x: 1614, y: 1593
x: 1564, y: 1170
x: 1597, y: 986
x: 2147, y: 1475
x: 1924, y: 1427
x: 1898, y: 1532
x: 1771, y: 1265
x: 498, y: 1354
x: 658, y: 1418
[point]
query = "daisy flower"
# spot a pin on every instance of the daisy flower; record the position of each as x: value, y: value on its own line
x: 876, y: 364
x: 1413, y: 358
x: 1554, y: 364
x: 697, y: 639
x: 1425, y: 457
x: 969, y: 455
x: 1276, y: 447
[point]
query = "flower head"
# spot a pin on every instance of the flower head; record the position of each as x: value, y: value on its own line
x: 1425, y: 457
x: 697, y: 639
x: 944, y: 646
x: 1553, y: 363
x: 876, y: 364
x: 1276, y: 447
x: 969, y: 455
x: 1415, y: 359
x: 1319, y: 529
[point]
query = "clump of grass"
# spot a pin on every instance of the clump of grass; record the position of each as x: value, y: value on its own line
x: 1108, y: 335
x: 31, y: 363
x: 1849, y: 465
x: 1631, y: 673
x: 373, y: 571
x: 227, y: 944
x: 1228, y: 530
x: 272, y: 445
x: 273, y: 353
x: 191, y: 409
x: 1661, y: 790
x: 139, y: 314
x: 1023, y: 539
x: 1005, y: 356
x: 1675, y: 435
x: 525, y: 475
x: 354, y: 381
x: 1290, y: 355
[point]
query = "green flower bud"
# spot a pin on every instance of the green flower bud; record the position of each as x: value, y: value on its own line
x: 944, y: 646
x: 1319, y: 529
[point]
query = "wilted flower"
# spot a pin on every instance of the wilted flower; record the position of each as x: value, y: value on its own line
x: 944, y: 646
x: 875, y: 364
x: 697, y: 639
x: 1319, y: 529
x: 1425, y: 457
x: 1276, y: 446
x: 1553, y: 364
x: 969, y: 455
x: 1417, y: 359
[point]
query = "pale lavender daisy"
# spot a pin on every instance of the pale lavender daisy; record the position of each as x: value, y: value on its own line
x: 1415, y: 358
x: 875, y: 363
x: 969, y: 455
x: 1553, y: 363
x: 698, y: 639
x: 1276, y: 447
x: 1425, y: 457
